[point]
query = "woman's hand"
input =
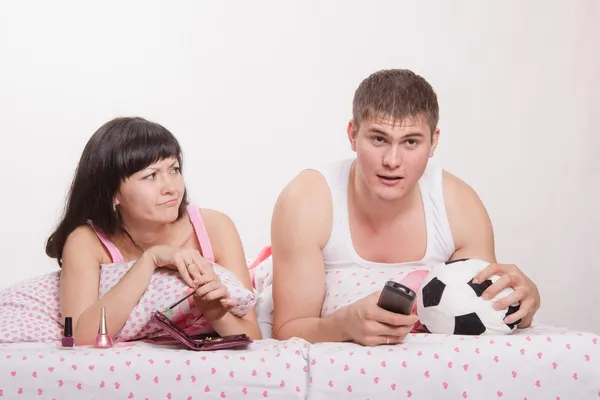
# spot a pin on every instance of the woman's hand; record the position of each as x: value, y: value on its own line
x: 212, y: 299
x: 194, y: 269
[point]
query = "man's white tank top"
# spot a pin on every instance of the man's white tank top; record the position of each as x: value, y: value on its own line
x: 339, y: 251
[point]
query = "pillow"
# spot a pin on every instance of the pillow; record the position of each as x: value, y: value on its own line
x: 261, y: 269
x: 343, y: 286
x: 165, y: 288
x: 30, y: 310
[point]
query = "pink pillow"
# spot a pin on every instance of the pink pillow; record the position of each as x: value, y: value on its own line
x: 165, y: 288
x: 30, y: 310
x: 345, y: 286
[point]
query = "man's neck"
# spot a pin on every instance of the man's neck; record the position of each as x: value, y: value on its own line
x: 375, y: 211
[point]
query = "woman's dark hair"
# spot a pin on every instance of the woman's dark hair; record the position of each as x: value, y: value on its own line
x: 117, y: 150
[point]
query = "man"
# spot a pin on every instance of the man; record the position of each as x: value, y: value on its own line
x: 389, y: 206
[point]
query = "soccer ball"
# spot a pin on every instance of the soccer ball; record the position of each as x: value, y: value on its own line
x: 449, y: 302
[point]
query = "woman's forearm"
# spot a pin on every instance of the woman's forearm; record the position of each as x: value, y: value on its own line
x: 233, y: 325
x: 118, y: 303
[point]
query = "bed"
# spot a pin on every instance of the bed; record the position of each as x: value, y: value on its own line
x: 266, y: 369
x: 538, y: 363
x: 542, y: 362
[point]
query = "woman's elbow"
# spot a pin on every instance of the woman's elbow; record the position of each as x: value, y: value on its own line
x: 253, y: 331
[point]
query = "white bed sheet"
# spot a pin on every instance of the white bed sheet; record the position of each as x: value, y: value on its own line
x: 536, y: 363
x: 266, y: 369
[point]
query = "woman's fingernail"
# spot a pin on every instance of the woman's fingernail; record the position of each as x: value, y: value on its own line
x: 475, y: 281
x: 486, y: 296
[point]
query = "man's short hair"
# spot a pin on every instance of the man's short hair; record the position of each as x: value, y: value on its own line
x: 397, y: 94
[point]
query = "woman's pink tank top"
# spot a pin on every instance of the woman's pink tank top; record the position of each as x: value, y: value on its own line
x: 197, y: 223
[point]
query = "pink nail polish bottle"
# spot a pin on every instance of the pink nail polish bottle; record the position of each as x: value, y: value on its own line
x: 103, y: 340
x: 68, y: 340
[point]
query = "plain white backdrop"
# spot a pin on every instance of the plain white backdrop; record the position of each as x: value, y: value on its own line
x: 257, y: 91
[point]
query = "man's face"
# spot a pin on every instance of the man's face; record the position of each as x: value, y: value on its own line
x: 391, y: 157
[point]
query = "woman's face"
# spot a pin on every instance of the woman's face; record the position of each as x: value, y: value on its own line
x: 152, y: 195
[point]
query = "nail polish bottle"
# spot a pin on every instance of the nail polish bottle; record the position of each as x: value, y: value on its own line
x: 68, y: 340
x: 103, y: 340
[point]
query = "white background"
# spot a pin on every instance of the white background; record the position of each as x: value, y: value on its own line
x: 256, y: 91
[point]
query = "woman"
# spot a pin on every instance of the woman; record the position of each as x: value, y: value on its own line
x: 127, y: 202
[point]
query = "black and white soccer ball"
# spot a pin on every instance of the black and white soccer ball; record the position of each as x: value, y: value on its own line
x: 449, y: 302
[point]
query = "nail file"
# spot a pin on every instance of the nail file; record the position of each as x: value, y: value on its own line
x: 184, y: 298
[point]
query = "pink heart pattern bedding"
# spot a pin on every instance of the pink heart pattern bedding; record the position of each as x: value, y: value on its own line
x: 30, y: 310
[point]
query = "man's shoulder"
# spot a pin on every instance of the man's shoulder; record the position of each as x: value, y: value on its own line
x: 467, y: 215
x: 307, y: 196
x: 319, y: 179
x: 456, y: 189
x: 332, y: 170
x: 308, y: 186
x: 303, y: 208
